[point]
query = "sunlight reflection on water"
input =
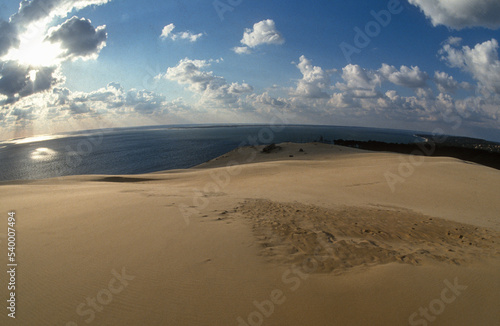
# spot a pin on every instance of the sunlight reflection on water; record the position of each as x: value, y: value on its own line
x: 43, y: 154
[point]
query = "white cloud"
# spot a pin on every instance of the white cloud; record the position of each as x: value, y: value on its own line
x: 481, y: 62
x: 453, y: 40
x: 242, y: 50
x: 314, y: 80
x: 206, y: 83
x: 167, y: 30
x: 189, y: 72
x: 144, y: 102
x: 186, y: 35
x: 447, y: 84
x: 424, y: 92
x: 408, y: 77
x: 357, y: 77
x: 267, y: 100
x: 108, y: 100
x: 460, y: 14
x: 263, y: 32
x: 359, y: 98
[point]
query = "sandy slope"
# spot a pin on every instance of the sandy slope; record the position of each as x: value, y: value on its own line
x: 319, y: 238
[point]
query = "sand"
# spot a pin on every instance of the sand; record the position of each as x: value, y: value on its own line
x: 311, y: 237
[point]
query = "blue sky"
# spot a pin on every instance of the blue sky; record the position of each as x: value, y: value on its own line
x: 429, y: 65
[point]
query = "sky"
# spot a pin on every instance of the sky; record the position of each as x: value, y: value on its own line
x: 424, y: 65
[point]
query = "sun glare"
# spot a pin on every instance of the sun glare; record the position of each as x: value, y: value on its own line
x: 36, y: 54
x: 32, y: 75
x: 34, y: 51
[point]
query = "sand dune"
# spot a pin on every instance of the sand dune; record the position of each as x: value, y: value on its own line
x: 312, y: 234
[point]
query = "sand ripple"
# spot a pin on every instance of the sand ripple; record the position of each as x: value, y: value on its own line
x: 340, y: 239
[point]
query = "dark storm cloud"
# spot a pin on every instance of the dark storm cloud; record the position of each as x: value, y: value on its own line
x: 14, y: 77
x: 15, y: 80
x: 78, y: 37
x: 31, y: 11
x: 46, y: 78
x: 8, y: 37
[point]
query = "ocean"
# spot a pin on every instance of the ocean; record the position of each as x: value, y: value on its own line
x: 156, y: 148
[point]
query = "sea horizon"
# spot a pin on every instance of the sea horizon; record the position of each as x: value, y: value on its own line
x: 145, y: 149
x: 47, y: 136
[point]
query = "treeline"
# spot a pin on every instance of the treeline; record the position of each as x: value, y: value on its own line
x: 477, y: 155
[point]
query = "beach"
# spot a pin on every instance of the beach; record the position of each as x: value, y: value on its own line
x: 307, y: 234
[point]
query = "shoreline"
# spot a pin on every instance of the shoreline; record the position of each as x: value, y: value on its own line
x: 467, y: 149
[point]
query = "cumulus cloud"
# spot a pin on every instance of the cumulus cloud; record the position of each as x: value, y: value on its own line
x: 453, y: 40
x: 187, y: 35
x: 110, y: 99
x: 242, y: 50
x: 267, y: 100
x: 358, y: 78
x: 144, y: 102
x: 165, y: 32
x: 360, y: 95
x: 314, y: 80
x: 447, y: 84
x: 78, y: 38
x: 191, y: 72
x: 408, y: 77
x: 460, y: 14
x: 18, y: 80
x: 263, y: 32
x: 112, y: 96
x: 363, y: 83
x: 481, y: 62
x: 78, y: 108
x: 424, y: 92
